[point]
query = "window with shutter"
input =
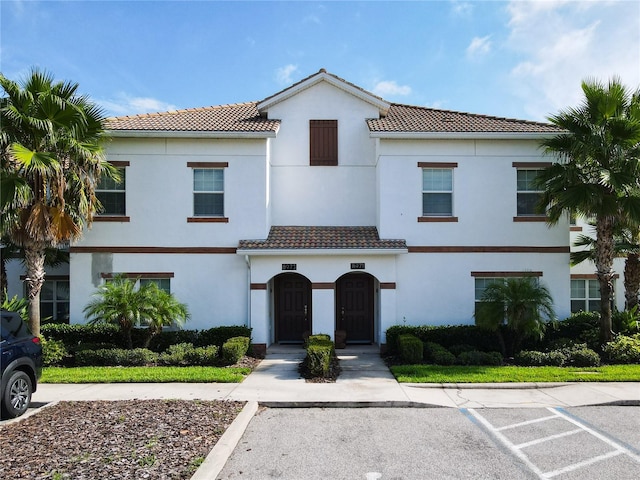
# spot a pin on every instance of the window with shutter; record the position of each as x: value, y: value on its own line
x: 323, y: 135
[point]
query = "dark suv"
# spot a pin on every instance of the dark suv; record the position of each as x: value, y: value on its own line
x: 20, y: 364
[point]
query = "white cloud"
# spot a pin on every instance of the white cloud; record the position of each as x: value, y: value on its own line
x: 124, y: 104
x: 391, y: 88
x: 461, y: 8
x: 479, y: 46
x: 283, y: 74
x: 561, y: 43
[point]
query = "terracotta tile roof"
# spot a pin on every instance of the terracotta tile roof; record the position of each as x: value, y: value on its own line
x: 239, y: 117
x: 298, y: 237
x: 407, y: 118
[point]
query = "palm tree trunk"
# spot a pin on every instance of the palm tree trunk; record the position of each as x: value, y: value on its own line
x: 631, y: 280
x: 605, y: 253
x: 34, y: 259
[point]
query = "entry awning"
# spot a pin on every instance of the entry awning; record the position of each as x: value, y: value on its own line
x: 314, y: 240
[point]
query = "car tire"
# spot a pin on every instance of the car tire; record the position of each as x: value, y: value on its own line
x: 17, y: 396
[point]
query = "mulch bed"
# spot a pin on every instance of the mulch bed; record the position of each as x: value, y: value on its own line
x: 133, y: 439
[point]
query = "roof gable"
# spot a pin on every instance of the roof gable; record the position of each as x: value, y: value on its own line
x: 323, y: 76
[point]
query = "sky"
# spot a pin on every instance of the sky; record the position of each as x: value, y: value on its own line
x: 517, y: 59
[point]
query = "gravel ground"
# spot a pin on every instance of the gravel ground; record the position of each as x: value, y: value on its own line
x: 133, y: 439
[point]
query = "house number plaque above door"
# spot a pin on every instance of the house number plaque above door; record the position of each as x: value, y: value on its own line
x: 357, y: 266
x: 289, y: 266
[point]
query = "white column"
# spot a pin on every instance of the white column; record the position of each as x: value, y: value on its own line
x: 323, y: 306
x: 260, y: 321
x: 387, y: 312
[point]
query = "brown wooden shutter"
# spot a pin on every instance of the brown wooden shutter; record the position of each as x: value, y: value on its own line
x: 323, y: 142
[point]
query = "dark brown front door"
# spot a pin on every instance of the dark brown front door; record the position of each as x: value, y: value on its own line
x: 354, y: 307
x: 293, y: 307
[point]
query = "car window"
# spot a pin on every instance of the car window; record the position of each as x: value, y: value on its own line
x: 13, y: 327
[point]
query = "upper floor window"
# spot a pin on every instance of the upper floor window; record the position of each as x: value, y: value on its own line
x: 437, y: 192
x: 208, y: 192
x: 528, y: 193
x: 112, y: 194
x: 323, y: 142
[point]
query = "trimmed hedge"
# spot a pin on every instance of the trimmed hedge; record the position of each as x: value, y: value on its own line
x: 318, y: 359
x: 476, y: 357
x: 185, y: 354
x: 234, y: 349
x: 76, y: 335
x: 53, y: 352
x: 446, y: 336
x: 116, y: 357
x: 410, y: 348
x: 437, y: 354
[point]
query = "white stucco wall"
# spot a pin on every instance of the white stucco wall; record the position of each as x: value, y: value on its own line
x: 214, y: 287
x: 342, y: 195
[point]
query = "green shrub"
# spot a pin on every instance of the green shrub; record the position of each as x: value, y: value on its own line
x: 583, y: 327
x: 531, y: 358
x: 163, y: 340
x: 317, y: 338
x: 436, y: 353
x: 318, y: 359
x: 582, y: 357
x: 410, y: 349
x: 53, y: 352
x: 114, y: 357
x: 447, y: 336
x: 93, y: 346
x: 476, y: 357
x: 203, y: 356
x: 77, y: 334
x: 219, y: 335
x: 458, y: 349
x: 176, y: 354
x: 623, y: 349
x: 184, y: 354
x: 234, y: 349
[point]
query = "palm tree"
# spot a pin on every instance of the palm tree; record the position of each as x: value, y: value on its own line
x: 119, y: 302
x: 598, y: 172
x: 51, y: 158
x: 521, y: 305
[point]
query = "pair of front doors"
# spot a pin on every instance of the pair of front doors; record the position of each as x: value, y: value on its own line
x: 354, y: 307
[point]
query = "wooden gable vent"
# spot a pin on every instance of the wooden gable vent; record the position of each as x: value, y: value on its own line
x: 323, y: 135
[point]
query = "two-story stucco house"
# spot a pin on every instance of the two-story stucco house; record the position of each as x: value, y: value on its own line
x: 322, y: 208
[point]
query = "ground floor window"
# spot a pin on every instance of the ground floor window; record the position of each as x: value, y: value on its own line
x: 585, y: 295
x: 54, y: 301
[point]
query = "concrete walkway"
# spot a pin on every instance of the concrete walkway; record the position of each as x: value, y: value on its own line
x: 364, y: 381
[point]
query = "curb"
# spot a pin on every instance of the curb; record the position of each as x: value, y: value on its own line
x: 222, y: 450
x: 489, y: 386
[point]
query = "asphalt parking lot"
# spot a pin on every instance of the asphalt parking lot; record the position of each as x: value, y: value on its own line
x: 587, y: 443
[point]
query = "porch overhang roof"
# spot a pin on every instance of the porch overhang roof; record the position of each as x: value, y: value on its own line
x: 322, y: 240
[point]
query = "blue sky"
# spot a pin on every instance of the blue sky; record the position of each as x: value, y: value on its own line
x: 521, y: 59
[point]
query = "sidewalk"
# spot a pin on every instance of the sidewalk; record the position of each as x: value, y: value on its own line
x: 364, y: 381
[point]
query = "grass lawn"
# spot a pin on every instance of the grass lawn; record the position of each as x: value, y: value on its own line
x: 461, y: 374
x: 144, y: 375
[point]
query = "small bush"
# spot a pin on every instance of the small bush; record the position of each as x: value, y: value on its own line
x: 77, y: 334
x: 623, y: 349
x: 318, y: 338
x: 318, y: 359
x: 175, y: 354
x: 531, y: 358
x: 203, y: 356
x: 582, y: 357
x: 219, y: 335
x: 476, y: 357
x: 234, y: 349
x: 410, y: 349
x: 53, y: 352
x: 458, y: 349
x: 116, y: 357
x: 436, y: 353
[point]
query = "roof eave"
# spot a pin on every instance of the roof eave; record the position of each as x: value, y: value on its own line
x: 462, y: 135
x: 321, y: 251
x: 188, y: 134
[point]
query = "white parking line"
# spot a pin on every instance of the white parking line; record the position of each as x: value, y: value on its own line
x: 558, y: 413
